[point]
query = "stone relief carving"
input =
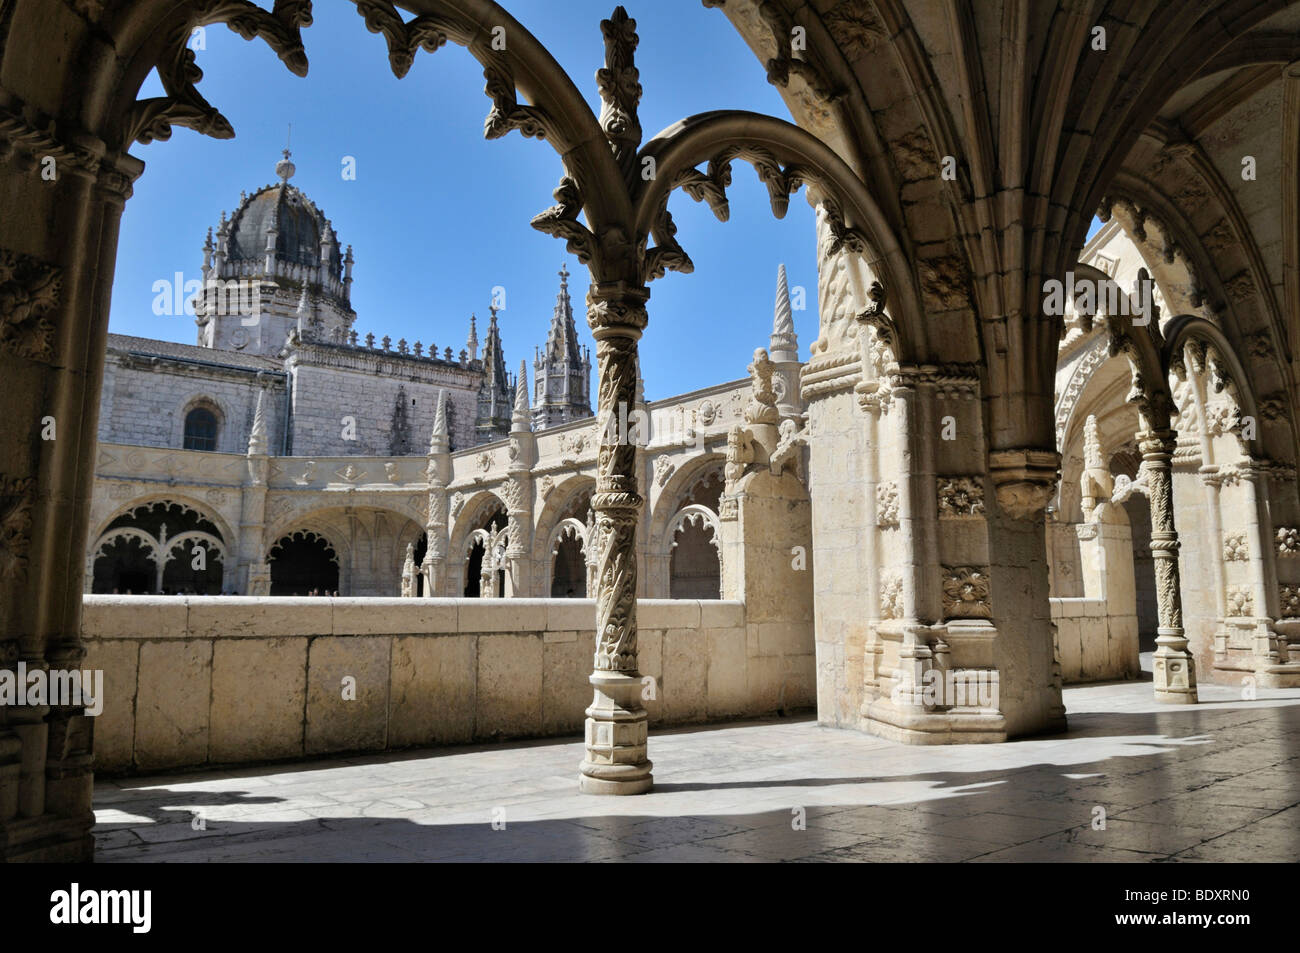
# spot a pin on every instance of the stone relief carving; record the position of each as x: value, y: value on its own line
x: 547, y: 485
x: 740, y: 453
x: 855, y: 28
x: 891, y: 597
x: 1288, y: 541
x: 966, y: 593
x: 1289, y: 601
x: 961, y: 497
x: 887, y: 504
x: 786, y: 454
x: 1235, y: 548
x: 29, y: 289
x: 663, y: 470
x: 761, y: 408
x: 16, y: 497
x: 484, y: 461
x: 457, y: 503
x: 1240, y: 601
x: 390, y: 470
x: 151, y: 119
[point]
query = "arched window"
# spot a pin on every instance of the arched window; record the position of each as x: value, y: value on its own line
x: 200, y: 429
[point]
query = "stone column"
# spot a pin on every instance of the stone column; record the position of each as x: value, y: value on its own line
x: 252, y: 517
x: 1175, y: 671
x: 914, y: 656
x: 438, y: 475
x: 518, y: 492
x: 616, y: 731
x: 1270, y: 648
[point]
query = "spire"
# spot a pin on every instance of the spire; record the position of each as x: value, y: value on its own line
x: 495, y: 396
x: 471, y: 343
x: 257, y: 437
x: 783, y: 344
x: 522, y: 417
x: 563, y: 372
x: 438, y: 442
x: 562, y: 339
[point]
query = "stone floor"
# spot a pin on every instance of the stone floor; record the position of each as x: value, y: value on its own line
x: 1218, y: 782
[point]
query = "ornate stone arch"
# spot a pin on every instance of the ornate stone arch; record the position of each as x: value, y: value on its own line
x: 202, y: 510
x: 474, y: 511
x: 559, y: 500
x: 678, y: 488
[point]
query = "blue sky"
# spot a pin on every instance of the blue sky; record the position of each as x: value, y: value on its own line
x: 437, y: 216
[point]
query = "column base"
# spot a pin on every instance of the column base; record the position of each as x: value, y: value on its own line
x: 616, y: 735
x: 1173, y: 669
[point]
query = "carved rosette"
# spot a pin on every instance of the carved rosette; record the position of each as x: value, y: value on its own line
x: 616, y: 316
x: 961, y: 497
x: 29, y: 290
x: 966, y: 593
x: 1288, y: 542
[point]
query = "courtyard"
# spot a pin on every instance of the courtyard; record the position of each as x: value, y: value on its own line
x: 1214, y: 782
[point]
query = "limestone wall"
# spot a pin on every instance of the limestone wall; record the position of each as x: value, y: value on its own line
x: 145, y: 404
x: 1096, y: 641
x: 205, y: 680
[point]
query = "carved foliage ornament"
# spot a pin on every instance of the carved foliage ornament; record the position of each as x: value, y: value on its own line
x: 16, y: 497
x: 1288, y: 542
x: 887, y: 504
x: 1241, y: 602
x: 1235, y: 548
x: 151, y: 119
x: 891, y: 597
x: 966, y: 593
x: 1289, y: 601
x: 29, y: 289
x: 961, y: 497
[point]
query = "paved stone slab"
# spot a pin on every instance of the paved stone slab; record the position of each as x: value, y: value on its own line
x: 1218, y: 782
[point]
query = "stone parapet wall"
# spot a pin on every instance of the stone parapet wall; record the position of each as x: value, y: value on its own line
x: 192, y: 681
x: 1096, y: 640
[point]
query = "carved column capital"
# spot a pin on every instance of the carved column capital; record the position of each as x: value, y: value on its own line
x: 1024, y: 480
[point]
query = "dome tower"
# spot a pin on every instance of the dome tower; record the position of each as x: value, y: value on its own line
x: 275, y: 267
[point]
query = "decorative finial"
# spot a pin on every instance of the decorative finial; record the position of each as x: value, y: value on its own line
x: 285, y: 168
x: 257, y: 436
x: 521, y: 419
x: 438, y: 439
x: 783, y: 343
x: 564, y: 276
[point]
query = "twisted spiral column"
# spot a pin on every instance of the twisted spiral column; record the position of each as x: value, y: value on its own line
x: 616, y: 727
x: 1174, y: 668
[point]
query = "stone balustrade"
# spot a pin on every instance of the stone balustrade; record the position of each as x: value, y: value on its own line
x: 193, y: 681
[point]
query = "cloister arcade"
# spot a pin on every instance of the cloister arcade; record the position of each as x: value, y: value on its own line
x: 956, y: 154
